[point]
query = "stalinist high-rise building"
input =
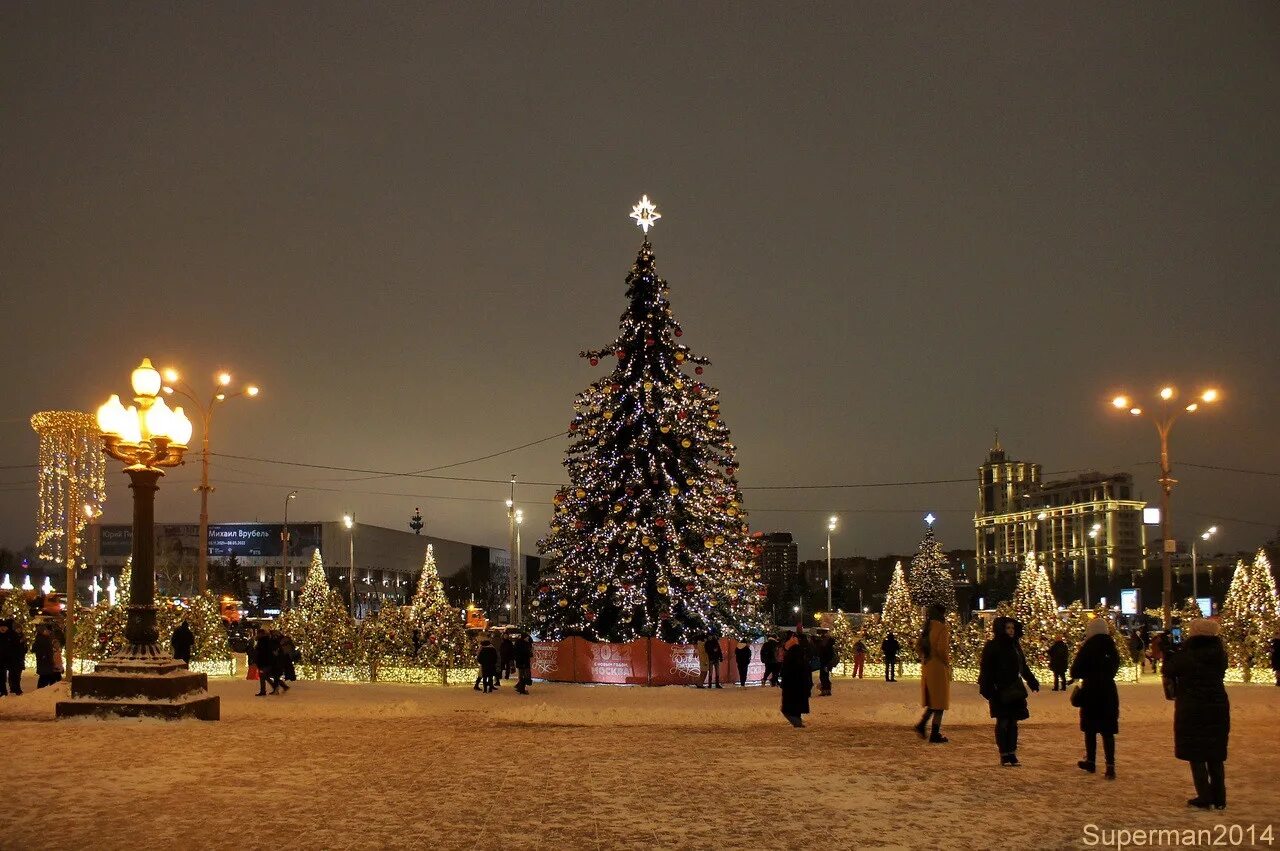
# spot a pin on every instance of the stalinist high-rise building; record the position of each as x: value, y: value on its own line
x: 1091, y: 519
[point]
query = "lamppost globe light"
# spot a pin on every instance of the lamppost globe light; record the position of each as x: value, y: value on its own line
x: 795, y: 609
x: 179, y: 427
x: 1042, y: 515
x: 221, y: 397
x: 1166, y: 393
x: 1209, y: 395
x: 224, y: 378
x: 347, y: 521
x: 1192, y: 408
x: 293, y: 495
x: 1121, y: 401
x: 111, y: 416
x: 171, y: 376
x: 510, y: 503
x: 252, y: 390
x: 158, y: 418
x: 145, y: 379
x: 1137, y: 412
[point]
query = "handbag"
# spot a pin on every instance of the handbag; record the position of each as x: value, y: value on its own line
x: 1076, y: 696
x: 1013, y: 692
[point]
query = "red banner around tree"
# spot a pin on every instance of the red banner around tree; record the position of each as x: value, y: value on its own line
x: 640, y: 662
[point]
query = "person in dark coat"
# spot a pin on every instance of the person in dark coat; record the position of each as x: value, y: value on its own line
x: 1096, y: 665
x: 826, y: 650
x: 507, y: 655
x: 288, y: 657
x: 889, y: 648
x: 742, y: 656
x: 13, y: 658
x: 522, y: 654
x: 487, y: 658
x: 769, y: 658
x: 1000, y: 676
x: 1201, y: 711
x: 859, y: 656
x: 266, y: 655
x: 1135, y: 649
x: 797, y: 679
x: 714, y: 657
x: 42, y: 648
x: 1058, y: 657
x: 182, y: 640
x: 1275, y: 657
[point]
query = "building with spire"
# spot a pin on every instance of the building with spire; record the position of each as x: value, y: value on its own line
x: 1091, y: 520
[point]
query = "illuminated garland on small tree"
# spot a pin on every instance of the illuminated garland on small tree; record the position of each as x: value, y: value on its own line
x: 442, y: 637
x: 843, y: 635
x: 320, y: 625
x: 900, y: 615
x: 650, y: 537
x: 1251, y: 613
x: 15, y: 608
x: 1034, y: 605
x: 931, y: 579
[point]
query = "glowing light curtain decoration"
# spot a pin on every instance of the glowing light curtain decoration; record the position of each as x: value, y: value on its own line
x: 931, y: 580
x: 72, y: 473
x: 650, y: 537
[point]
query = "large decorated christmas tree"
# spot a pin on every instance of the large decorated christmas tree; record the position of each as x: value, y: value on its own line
x: 441, y: 638
x: 1251, y: 613
x: 931, y: 579
x: 1035, y: 606
x: 899, y: 615
x: 650, y: 537
x: 320, y: 626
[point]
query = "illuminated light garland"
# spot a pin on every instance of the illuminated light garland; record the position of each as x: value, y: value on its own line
x: 1035, y: 607
x: 650, y: 537
x: 71, y: 474
x: 1250, y: 616
x: 931, y: 579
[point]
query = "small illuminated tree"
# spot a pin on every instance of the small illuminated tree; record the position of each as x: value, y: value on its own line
x: 1251, y: 613
x: 320, y: 625
x: 900, y: 615
x: 1035, y: 606
x: 931, y: 579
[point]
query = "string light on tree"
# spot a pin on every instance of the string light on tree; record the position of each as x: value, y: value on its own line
x: 931, y: 580
x: 650, y: 537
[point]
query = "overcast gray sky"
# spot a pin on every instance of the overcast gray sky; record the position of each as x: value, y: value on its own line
x: 891, y: 226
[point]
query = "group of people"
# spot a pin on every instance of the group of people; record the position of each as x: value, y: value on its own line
x: 46, y: 647
x: 274, y: 656
x: 1193, y: 678
x: 512, y: 656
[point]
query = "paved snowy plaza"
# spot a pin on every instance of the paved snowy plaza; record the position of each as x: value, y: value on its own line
x: 333, y: 766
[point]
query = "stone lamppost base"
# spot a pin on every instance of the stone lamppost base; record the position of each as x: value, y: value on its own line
x: 131, y: 687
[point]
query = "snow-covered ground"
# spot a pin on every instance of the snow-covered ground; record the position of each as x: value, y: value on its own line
x: 336, y: 766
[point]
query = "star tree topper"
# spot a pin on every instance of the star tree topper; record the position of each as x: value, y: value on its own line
x: 645, y: 214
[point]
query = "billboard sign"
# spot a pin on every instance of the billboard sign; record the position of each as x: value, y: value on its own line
x: 1206, y: 606
x: 1151, y: 516
x: 243, y: 540
x: 1129, y: 601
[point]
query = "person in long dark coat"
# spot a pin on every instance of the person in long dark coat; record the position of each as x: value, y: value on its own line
x: 1000, y: 676
x: 742, y: 656
x: 826, y: 651
x: 769, y: 658
x: 714, y: 657
x: 523, y: 656
x: 507, y: 656
x: 1275, y: 657
x: 13, y: 658
x: 487, y: 659
x: 182, y: 640
x: 889, y: 648
x: 1096, y: 665
x: 266, y: 655
x: 42, y: 649
x: 797, y: 680
x: 1058, y: 657
x: 1201, y: 711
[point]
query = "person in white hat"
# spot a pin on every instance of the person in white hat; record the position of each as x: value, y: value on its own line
x: 1202, y: 712
x: 1096, y: 665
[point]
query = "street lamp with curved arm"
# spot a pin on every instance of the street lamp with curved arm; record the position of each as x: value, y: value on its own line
x: 1164, y: 414
x: 174, y: 386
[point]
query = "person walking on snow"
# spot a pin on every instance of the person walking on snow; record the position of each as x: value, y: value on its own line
x: 826, y: 650
x: 1096, y: 665
x: 1135, y: 649
x: 487, y: 658
x: 182, y: 640
x: 714, y: 657
x: 1000, y: 676
x: 704, y: 662
x: 523, y: 657
x: 742, y: 657
x: 768, y: 658
x: 266, y: 655
x: 797, y: 679
x: 859, y: 656
x: 889, y: 649
x: 934, y: 647
x: 1058, y: 654
x: 42, y: 648
x: 13, y: 658
x: 1201, y: 711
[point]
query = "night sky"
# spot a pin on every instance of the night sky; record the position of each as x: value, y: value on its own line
x: 891, y: 226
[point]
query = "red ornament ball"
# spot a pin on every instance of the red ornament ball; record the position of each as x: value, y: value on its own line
x: 679, y: 332
x: 681, y: 415
x: 595, y: 361
x: 621, y: 353
x: 649, y: 341
x: 697, y: 370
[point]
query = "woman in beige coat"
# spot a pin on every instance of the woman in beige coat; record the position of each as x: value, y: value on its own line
x: 934, y: 648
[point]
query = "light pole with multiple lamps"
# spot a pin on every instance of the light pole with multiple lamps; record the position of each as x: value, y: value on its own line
x: 138, y: 680
x: 175, y: 386
x: 1164, y: 419
x: 831, y: 527
x: 1204, y: 536
x: 513, y: 580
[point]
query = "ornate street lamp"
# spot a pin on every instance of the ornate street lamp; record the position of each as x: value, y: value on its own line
x: 139, y: 680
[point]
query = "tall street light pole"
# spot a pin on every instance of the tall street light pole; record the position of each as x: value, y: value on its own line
x: 1164, y: 419
x: 284, y: 545
x: 1093, y: 536
x: 831, y: 527
x: 175, y: 386
x: 1195, y: 590
x: 349, y: 520
x: 512, y: 578
x: 519, y: 570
